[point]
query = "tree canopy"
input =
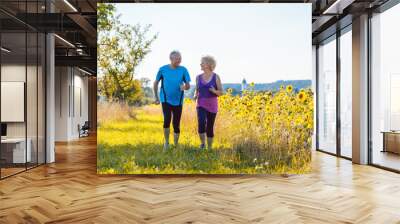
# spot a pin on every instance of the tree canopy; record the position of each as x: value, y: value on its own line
x: 120, y: 49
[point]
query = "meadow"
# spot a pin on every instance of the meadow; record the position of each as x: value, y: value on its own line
x: 256, y: 133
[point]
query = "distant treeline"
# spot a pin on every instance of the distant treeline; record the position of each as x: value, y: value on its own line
x: 273, y: 86
x: 297, y: 84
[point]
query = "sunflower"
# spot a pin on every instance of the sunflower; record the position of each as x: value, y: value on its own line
x: 289, y: 88
x: 301, y: 96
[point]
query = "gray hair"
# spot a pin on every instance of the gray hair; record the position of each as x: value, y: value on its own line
x: 209, y: 60
x: 174, y: 54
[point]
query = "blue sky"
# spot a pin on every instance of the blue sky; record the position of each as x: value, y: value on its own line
x: 259, y: 42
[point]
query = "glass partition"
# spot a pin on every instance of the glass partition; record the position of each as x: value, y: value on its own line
x: 385, y: 89
x: 327, y: 96
x: 22, y: 78
x: 346, y: 93
x: 13, y: 94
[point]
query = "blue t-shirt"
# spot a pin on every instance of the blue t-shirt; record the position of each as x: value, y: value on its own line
x: 173, y: 79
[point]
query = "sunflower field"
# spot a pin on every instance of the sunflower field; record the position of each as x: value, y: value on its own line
x: 255, y: 133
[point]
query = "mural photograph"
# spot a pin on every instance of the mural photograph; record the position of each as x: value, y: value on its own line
x: 194, y: 89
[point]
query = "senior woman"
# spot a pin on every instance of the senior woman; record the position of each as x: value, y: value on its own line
x: 208, y: 88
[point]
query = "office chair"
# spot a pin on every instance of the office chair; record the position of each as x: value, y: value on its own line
x: 84, y: 130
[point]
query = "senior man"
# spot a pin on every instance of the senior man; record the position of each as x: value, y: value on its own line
x: 174, y: 80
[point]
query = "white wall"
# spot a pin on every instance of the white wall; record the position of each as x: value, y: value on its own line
x: 33, y: 126
x: 81, y: 88
x: 62, y: 81
x: 12, y: 73
x: 70, y: 84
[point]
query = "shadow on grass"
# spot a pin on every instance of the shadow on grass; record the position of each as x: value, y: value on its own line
x: 151, y: 158
x: 185, y: 159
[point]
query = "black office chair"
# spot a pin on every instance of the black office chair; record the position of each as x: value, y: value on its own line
x: 84, y: 130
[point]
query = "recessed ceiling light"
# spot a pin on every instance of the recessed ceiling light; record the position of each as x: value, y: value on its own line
x: 86, y: 72
x: 64, y: 40
x: 70, y: 5
x: 5, y: 50
x: 338, y: 6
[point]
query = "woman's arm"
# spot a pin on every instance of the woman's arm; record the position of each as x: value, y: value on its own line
x: 219, y: 91
x: 196, y: 94
x: 196, y: 91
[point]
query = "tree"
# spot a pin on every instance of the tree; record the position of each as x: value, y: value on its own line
x: 120, y: 50
x: 145, y: 82
x: 148, y: 95
x: 106, y: 17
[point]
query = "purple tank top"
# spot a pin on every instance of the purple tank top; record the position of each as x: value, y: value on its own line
x: 207, y: 99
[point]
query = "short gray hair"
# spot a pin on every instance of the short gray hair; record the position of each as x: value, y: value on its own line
x: 209, y: 60
x: 174, y: 54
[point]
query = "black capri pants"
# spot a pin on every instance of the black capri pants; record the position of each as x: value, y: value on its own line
x: 206, y: 121
x: 174, y: 113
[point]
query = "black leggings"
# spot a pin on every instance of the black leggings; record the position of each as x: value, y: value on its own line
x: 176, y: 112
x: 206, y: 121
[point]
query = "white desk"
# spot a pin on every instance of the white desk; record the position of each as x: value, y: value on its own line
x: 19, y: 149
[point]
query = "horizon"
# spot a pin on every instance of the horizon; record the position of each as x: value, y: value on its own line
x: 255, y: 83
x: 281, y: 80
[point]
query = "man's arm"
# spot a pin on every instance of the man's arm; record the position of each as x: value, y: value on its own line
x: 187, y: 85
x: 155, y: 89
x: 186, y: 79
